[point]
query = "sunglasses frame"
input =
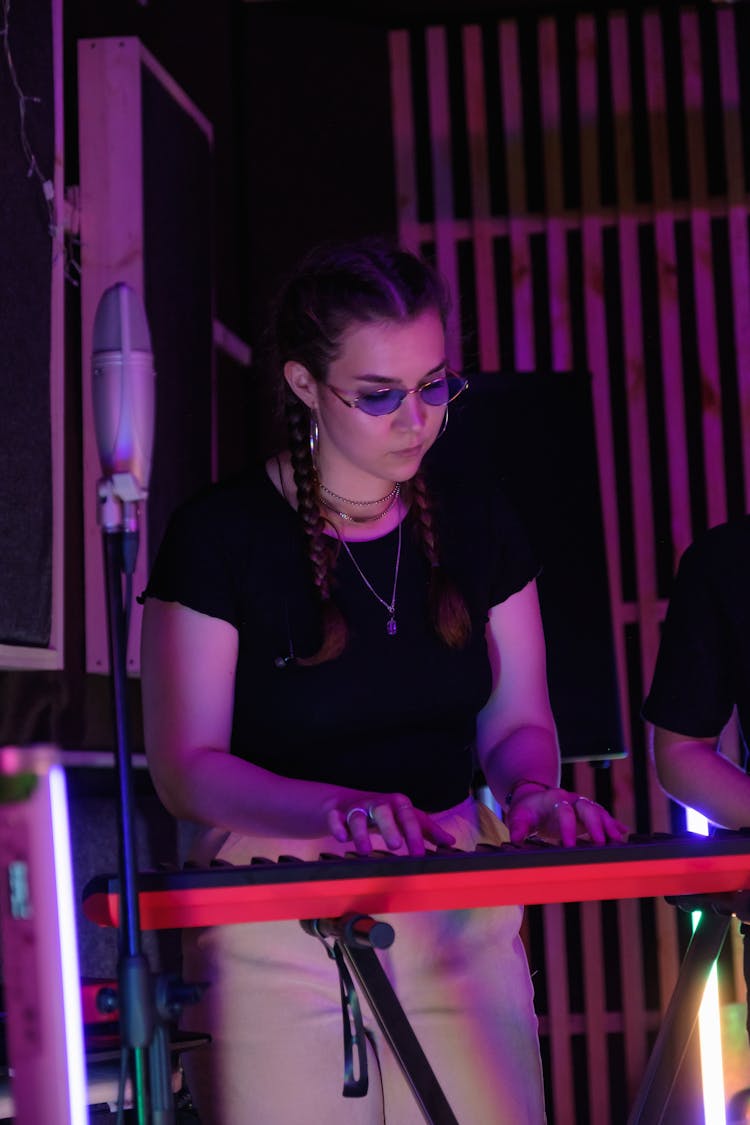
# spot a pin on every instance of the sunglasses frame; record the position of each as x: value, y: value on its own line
x: 355, y: 402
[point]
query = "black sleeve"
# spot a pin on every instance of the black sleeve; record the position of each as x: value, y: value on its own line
x: 691, y: 692
x: 515, y: 564
x: 193, y: 565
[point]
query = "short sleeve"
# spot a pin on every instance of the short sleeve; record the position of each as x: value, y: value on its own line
x: 514, y: 563
x: 193, y: 563
x: 691, y: 691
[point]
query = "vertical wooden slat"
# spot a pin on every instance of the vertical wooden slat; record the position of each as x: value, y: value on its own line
x: 481, y: 222
x: 558, y: 1014
x: 523, y: 296
x: 635, y: 375
x: 442, y: 179
x: 705, y: 309
x: 561, y: 330
x: 669, y: 311
x: 597, y: 357
x: 112, y: 244
x: 638, y: 446
x: 739, y: 250
x: 57, y: 351
x: 404, y: 143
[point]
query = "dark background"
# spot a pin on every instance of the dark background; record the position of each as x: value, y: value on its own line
x: 299, y: 98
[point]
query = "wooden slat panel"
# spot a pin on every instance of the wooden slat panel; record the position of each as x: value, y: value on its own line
x: 739, y: 249
x: 523, y: 297
x: 597, y: 358
x: 442, y: 177
x: 630, y: 287
x: 481, y: 225
x: 404, y: 144
x: 561, y: 330
x: 669, y: 312
x: 635, y: 1021
x: 705, y: 311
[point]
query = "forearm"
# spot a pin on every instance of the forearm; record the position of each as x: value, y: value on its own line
x: 218, y: 788
x: 695, y: 774
x: 529, y: 752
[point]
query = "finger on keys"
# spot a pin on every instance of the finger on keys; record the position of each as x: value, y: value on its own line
x: 437, y: 834
x: 429, y: 829
x: 597, y: 823
x: 358, y: 822
x: 383, y: 821
x: 590, y: 819
x: 567, y: 822
x: 521, y: 823
x: 411, y: 828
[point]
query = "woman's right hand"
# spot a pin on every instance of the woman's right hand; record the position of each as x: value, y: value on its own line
x: 390, y: 816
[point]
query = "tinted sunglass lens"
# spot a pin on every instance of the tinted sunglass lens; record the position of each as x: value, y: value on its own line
x: 435, y: 393
x: 456, y: 384
x: 381, y: 402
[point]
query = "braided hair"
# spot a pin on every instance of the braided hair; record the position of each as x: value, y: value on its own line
x: 332, y: 289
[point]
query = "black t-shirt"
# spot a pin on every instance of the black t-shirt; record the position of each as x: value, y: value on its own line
x: 703, y: 666
x: 393, y: 713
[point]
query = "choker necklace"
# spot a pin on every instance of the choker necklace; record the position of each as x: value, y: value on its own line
x: 389, y: 606
x: 362, y: 503
x: 392, y: 497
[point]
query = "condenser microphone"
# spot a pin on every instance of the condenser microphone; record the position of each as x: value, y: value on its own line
x: 123, y: 389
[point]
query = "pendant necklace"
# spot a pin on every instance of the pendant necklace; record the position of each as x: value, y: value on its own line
x: 389, y: 606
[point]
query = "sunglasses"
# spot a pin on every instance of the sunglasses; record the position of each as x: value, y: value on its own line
x: 386, y: 400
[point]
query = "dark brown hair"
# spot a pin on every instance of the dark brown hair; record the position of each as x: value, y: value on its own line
x: 332, y: 289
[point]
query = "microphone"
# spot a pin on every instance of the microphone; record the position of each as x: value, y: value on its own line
x: 123, y: 386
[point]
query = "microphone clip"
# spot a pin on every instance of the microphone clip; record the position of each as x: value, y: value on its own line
x: 119, y: 496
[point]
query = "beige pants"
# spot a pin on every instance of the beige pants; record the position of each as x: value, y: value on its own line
x: 273, y: 1009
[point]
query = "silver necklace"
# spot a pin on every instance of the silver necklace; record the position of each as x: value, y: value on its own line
x: 391, y: 498
x: 362, y: 503
x: 389, y: 606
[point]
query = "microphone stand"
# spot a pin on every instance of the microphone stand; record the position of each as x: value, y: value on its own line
x: 145, y: 1003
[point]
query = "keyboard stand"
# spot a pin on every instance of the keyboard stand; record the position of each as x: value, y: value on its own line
x: 381, y: 997
x: 682, y: 1012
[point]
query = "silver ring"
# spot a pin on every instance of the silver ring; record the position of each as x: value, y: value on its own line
x: 350, y: 814
x: 558, y: 803
x: 371, y: 819
x: 587, y: 800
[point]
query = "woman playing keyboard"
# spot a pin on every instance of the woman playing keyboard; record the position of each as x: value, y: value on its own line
x: 329, y: 646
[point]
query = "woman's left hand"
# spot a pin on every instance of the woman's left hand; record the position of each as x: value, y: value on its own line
x: 558, y: 816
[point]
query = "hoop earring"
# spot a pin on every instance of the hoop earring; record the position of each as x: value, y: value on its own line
x: 444, y: 426
x: 314, y: 438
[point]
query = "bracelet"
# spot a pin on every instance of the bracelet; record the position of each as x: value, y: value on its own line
x: 517, y: 785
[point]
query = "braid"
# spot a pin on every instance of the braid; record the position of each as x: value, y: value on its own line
x: 448, y: 612
x: 320, y: 549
